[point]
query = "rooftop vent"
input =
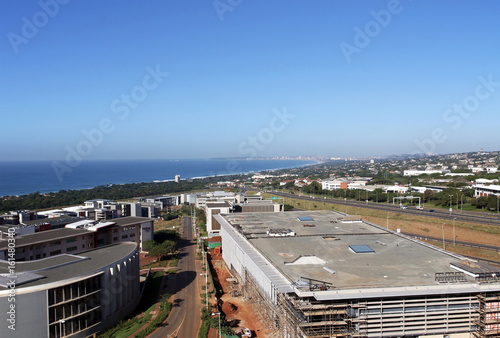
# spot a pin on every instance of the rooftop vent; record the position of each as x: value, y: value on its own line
x: 306, y: 260
x: 281, y: 233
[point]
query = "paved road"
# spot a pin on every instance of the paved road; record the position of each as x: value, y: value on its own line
x: 461, y: 243
x: 184, y: 320
x: 439, y: 213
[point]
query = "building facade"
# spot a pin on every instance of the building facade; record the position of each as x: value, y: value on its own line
x: 331, y: 278
x: 70, y: 295
x: 79, y: 237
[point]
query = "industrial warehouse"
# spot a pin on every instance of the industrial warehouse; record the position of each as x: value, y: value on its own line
x: 326, y: 274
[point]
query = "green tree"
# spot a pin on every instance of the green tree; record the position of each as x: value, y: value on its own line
x: 492, y: 202
x: 169, y: 246
x: 481, y: 202
x: 147, y: 245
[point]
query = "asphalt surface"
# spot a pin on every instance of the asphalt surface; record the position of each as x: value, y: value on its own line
x: 465, y: 216
x: 184, y: 320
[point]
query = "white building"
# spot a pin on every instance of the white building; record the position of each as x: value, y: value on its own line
x: 426, y: 172
x: 356, y: 279
x: 212, y: 209
x: 486, y: 190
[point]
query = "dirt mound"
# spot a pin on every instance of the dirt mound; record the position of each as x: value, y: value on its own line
x: 229, y: 308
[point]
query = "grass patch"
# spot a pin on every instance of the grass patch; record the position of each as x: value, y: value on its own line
x: 167, y: 225
x: 160, y: 264
x: 174, y: 262
x: 467, y: 251
x: 164, y: 310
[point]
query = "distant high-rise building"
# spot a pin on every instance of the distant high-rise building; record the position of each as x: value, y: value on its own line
x: 177, y: 178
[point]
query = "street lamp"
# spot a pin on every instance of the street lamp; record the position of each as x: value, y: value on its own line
x: 451, y: 209
x: 454, y: 219
x: 442, y: 227
x: 219, y: 325
x: 60, y: 327
x: 218, y: 314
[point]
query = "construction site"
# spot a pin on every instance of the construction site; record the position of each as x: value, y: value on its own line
x: 326, y: 274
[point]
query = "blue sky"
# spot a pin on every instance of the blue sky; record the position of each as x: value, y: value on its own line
x: 265, y: 78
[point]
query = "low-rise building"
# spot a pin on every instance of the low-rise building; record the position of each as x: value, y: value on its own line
x: 486, y: 190
x: 425, y: 172
x: 79, y: 237
x: 69, y: 295
x: 323, y: 278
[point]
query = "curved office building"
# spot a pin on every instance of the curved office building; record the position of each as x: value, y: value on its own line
x: 69, y: 295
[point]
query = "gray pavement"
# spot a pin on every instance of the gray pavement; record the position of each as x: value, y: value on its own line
x: 184, y: 320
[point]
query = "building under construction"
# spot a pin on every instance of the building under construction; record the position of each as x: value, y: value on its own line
x: 321, y: 274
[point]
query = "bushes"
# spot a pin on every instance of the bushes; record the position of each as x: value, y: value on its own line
x: 165, y: 308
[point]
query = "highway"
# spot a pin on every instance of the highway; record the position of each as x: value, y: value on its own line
x: 450, y: 242
x: 476, y: 217
x: 184, y: 320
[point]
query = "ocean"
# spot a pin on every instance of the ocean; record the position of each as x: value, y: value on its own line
x: 26, y: 177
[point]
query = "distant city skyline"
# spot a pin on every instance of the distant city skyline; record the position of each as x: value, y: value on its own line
x: 205, y: 79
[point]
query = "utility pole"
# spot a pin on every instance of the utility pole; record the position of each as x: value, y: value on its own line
x: 454, y: 219
x: 451, y: 209
x: 442, y: 227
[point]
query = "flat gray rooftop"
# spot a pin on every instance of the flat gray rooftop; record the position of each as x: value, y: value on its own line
x: 326, y: 244
x: 65, y: 267
x: 44, y: 237
x: 129, y: 220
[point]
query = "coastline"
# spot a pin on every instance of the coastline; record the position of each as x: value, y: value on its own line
x: 221, y: 171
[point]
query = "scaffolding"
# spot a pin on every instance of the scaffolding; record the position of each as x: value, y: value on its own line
x: 314, y: 319
x: 489, y: 316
